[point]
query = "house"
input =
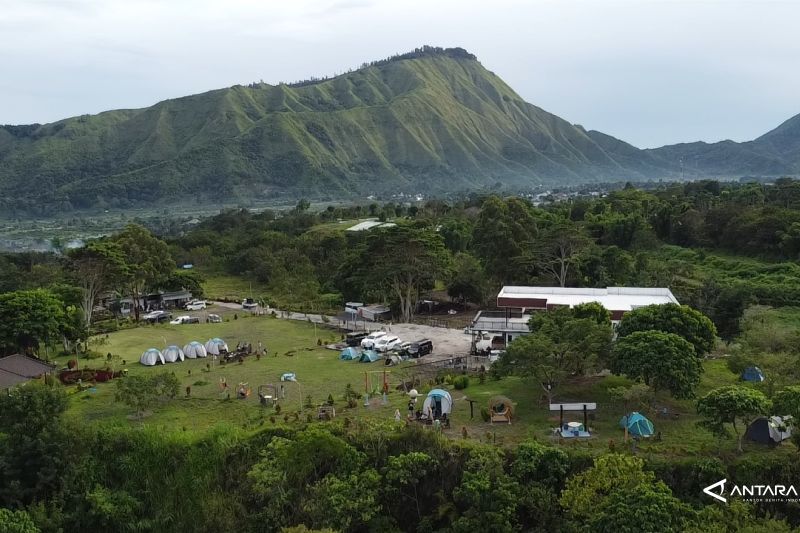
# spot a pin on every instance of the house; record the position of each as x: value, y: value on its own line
x: 156, y: 300
x: 515, y: 304
x: 16, y: 369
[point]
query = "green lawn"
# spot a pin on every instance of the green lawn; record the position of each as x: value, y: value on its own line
x: 320, y: 373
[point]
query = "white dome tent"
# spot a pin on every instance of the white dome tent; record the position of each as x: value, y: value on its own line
x: 173, y: 354
x: 151, y: 357
x: 215, y: 346
x: 194, y: 349
x: 437, y: 403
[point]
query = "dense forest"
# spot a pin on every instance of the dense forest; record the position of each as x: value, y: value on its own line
x: 728, y: 250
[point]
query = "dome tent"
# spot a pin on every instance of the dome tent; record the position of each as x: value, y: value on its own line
x: 194, y: 349
x: 753, y: 374
x: 637, y: 425
x: 438, y: 402
x: 369, y: 356
x: 349, y: 354
x: 772, y: 430
x: 215, y: 346
x: 173, y: 354
x: 151, y: 357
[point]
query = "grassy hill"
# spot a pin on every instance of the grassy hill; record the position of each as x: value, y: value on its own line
x: 433, y: 120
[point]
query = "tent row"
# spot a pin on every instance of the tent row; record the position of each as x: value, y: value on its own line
x: 175, y: 354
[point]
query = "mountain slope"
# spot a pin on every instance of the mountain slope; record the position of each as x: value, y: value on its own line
x: 435, y: 121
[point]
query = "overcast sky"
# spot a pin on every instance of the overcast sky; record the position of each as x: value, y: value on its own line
x: 649, y: 72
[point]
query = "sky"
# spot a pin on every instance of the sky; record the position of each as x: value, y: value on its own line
x: 650, y: 72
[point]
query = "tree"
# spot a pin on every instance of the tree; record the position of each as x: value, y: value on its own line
x: 660, y: 360
x: 502, y: 238
x: 33, y: 450
x: 99, y: 266
x: 404, y: 474
x: 558, y: 249
x: 467, y: 281
x: 16, y: 522
x: 402, y: 262
x: 734, y: 405
x: 147, y: 260
x: 681, y: 320
x: 634, y: 398
x: 787, y: 402
x: 647, y: 507
x: 145, y: 392
x: 29, y: 318
x: 486, y: 497
x: 560, y: 344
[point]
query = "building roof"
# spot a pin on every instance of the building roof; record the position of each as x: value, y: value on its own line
x: 369, y: 224
x: 612, y: 298
x: 16, y: 369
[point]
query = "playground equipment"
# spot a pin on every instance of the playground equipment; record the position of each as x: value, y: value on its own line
x: 243, y: 390
x: 501, y: 409
x: 267, y: 395
x: 371, y: 388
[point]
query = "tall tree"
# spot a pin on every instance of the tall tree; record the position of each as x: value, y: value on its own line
x: 681, y: 320
x: 98, y: 267
x: 29, y: 318
x: 661, y: 360
x: 734, y: 405
x: 560, y: 344
x: 467, y: 282
x: 147, y: 259
x: 558, y: 248
x: 403, y: 262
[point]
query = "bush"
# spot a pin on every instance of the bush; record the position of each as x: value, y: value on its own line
x: 485, y: 414
x: 461, y: 382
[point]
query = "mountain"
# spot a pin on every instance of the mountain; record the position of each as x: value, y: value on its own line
x: 433, y: 120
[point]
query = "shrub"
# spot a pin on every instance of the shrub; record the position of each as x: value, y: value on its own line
x: 485, y: 414
x: 461, y: 382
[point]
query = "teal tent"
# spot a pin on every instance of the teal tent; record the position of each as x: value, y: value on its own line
x: 638, y: 425
x: 349, y: 354
x: 369, y: 356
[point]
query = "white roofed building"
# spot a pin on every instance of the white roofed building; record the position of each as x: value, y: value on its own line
x: 516, y: 304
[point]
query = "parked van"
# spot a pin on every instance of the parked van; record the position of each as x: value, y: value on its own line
x: 420, y: 348
x: 387, y: 343
x: 368, y: 342
x: 354, y: 338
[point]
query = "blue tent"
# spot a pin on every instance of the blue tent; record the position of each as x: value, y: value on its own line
x: 638, y: 425
x: 369, y: 356
x: 349, y: 354
x: 753, y: 373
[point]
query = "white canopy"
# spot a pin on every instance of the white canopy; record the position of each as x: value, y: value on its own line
x: 151, y: 357
x: 194, y: 350
x: 172, y: 354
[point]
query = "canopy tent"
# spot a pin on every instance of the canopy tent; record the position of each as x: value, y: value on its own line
x: 215, y: 346
x: 772, y: 430
x: 194, y: 350
x: 437, y: 403
x: 753, y: 374
x: 637, y: 425
x: 501, y: 409
x: 151, y: 357
x: 369, y: 356
x: 172, y: 354
x: 349, y: 354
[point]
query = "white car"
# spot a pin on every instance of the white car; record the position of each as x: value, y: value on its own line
x: 387, y: 343
x: 196, y: 305
x: 368, y: 342
x: 185, y: 319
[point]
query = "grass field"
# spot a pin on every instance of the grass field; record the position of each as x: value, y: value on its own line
x: 218, y: 286
x: 292, y: 348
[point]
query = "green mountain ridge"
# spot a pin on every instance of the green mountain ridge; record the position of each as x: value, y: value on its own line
x: 434, y: 120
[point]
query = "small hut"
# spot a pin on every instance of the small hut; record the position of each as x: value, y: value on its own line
x: 501, y: 409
